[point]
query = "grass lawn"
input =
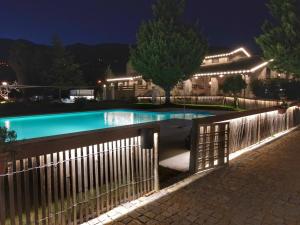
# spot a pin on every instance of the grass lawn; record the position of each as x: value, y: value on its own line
x: 29, y: 108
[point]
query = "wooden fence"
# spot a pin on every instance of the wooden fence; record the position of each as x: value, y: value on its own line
x: 198, y: 100
x: 71, y: 179
x: 245, y: 129
x: 244, y: 103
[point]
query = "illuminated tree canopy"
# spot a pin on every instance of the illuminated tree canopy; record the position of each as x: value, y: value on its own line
x: 281, y: 36
x: 167, y: 49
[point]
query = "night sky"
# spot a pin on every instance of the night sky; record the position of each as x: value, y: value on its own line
x: 227, y: 23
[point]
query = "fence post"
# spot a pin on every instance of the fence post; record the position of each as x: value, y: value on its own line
x: 223, y: 150
x: 194, y: 146
x: 4, y: 158
x: 149, y: 140
x: 156, y: 176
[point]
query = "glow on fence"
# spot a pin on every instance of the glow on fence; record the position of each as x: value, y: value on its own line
x: 251, y: 130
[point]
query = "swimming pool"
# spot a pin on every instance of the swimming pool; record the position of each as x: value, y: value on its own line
x: 28, y: 127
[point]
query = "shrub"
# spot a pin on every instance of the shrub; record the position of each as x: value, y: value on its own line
x: 276, y: 88
x: 6, y: 138
x: 81, y: 102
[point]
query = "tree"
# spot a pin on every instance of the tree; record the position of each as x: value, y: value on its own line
x: 168, y: 50
x: 29, y: 62
x: 258, y: 88
x: 280, y: 40
x: 18, y: 60
x: 109, y: 73
x: 63, y: 71
x: 234, y: 85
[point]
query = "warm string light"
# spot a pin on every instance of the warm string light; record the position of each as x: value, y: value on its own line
x: 123, y: 79
x: 253, y: 70
x: 220, y: 74
x: 230, y: 53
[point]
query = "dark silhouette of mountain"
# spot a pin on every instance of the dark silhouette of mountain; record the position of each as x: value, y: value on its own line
x: 5, y: 45
x: 93, y: 59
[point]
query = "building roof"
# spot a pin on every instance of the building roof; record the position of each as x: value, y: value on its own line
x: 240, y: 50
x: 244, y: 65
x: 241, y: 64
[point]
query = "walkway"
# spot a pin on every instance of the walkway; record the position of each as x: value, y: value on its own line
x: 260, y: 187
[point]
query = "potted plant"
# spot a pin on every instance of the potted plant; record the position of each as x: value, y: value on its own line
x: 6, y: 152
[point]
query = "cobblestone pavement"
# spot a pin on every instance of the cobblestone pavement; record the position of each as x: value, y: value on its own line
x: 260, y: 187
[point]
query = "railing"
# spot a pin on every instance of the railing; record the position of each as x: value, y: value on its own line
x: 132, y: 88
x: 154, y: 100
x: 245, y: 128
x: 245, y: 103
x: 125, y: 88
x: 142, y: 87
x: 249, y: 104
x: 201, y: 100
x: 70, y: 179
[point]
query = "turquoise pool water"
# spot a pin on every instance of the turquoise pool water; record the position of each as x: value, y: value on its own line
x: 28, y: 127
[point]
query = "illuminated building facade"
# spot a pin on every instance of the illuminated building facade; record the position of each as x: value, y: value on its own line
x: 208, y: 80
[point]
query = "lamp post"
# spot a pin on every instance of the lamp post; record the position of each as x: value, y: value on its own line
x: 104, y: 92
x: 112, y: 91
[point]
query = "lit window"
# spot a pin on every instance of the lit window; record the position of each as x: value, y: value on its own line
x: 215, y: 60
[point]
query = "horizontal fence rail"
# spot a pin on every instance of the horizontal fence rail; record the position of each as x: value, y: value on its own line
x: 73, y: 185
x: 245, y: 103
x: 245, y: 129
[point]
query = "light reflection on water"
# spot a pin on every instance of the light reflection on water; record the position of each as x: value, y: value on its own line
x: 28, y: 127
